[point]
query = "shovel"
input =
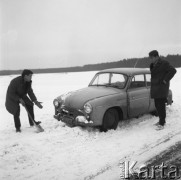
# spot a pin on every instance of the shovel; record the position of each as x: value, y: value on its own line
x: 38, y: 127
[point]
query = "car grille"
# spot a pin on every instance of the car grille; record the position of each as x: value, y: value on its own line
x: 71, y: 112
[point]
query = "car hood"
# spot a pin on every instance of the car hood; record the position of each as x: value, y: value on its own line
x: 77, y: 99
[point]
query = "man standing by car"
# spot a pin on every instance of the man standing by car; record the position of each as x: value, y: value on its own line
x: 17, y: 92
x: 161, y: 74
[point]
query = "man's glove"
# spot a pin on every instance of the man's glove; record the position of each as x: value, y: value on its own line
x: 38, y: 104
x: 22, y: 102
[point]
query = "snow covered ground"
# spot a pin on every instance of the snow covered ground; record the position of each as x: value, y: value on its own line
x: 78, y: 153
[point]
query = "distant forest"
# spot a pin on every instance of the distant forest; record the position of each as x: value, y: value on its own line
x: 174, y: 60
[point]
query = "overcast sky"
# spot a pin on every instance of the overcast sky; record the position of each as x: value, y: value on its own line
x: 64, y: 33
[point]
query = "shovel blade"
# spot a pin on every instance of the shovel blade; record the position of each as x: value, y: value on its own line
x: 39, y: 128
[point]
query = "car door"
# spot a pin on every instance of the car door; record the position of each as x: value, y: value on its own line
x: 138, y: 96
x: 151, y: 101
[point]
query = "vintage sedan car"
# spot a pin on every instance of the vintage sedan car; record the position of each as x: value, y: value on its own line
x: 112, y: 95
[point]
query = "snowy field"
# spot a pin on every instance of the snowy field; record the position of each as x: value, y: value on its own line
x: 78, y: 153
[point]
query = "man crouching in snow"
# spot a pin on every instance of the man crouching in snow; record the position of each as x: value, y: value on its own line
x: 161, y: 74
x: 17, y: 92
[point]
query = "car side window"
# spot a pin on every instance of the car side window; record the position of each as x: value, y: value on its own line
x: 148, y: 79
x: 118, y: 80
x: 137, y: 81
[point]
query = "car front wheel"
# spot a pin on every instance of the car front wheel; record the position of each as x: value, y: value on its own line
x: 110, y: 120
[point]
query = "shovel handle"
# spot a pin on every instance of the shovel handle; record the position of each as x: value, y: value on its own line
x: 38, y: 127
x: 30, y: 115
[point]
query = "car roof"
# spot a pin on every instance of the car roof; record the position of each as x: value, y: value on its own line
x: 128, y: 71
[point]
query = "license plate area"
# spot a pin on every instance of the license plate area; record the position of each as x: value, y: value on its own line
x: 68, y: 120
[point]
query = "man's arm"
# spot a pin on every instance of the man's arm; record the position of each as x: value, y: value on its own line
x: 170, y: 72
x: 31, y: 94
x: 33, y: 97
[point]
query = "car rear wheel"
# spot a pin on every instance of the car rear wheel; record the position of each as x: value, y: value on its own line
x: 110, y: 120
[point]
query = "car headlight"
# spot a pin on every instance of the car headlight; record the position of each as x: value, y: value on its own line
x: 88, y: 108
x: 56, y: 103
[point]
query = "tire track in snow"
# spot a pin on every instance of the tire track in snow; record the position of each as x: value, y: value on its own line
x: 149, y: 147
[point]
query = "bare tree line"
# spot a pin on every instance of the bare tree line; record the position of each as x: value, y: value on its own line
x: 144, y: 62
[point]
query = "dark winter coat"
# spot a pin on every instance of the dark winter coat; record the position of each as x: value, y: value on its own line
x: 161, y: 71
x: 17, y: 89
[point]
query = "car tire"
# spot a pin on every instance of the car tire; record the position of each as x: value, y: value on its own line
x: 110, y: 120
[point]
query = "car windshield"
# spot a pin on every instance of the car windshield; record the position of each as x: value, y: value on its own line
x: 115, y: 80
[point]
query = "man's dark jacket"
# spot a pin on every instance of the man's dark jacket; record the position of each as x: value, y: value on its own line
x: 17, y: 89
x: 161, y: 71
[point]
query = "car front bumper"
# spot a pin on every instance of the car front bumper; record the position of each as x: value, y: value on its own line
x: 80, y: 120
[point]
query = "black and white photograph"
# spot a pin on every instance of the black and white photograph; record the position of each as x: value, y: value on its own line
x: 90, y: 89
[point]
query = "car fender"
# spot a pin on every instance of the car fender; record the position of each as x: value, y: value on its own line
x: 101, y: 105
